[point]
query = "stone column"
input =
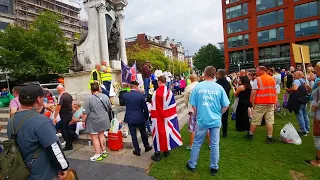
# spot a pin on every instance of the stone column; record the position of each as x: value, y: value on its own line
x: 123, y: 54
x: 104, y: 49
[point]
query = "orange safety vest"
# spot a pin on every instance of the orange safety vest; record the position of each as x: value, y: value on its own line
x: 266, y: 92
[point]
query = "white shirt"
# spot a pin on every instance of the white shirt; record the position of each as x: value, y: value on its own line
x: 228, y: 79
x: 158, y: 73
x: 168, y: 76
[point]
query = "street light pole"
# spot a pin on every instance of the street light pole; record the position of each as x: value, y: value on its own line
x: 189, y: 63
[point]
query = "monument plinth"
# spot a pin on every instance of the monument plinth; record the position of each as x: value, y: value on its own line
x: 105, y: 41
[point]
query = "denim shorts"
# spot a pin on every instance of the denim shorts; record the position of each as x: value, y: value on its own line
x: 192, y: 123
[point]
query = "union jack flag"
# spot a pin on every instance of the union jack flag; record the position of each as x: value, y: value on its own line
x: 165, y: 126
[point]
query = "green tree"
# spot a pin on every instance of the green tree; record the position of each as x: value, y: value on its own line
x: 208, y: 55
x: 139, y: 55
x: 41, y: 49
x: 180, y: 67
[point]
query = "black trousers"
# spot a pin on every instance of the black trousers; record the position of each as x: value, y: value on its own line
x: 155, y: 84
x: 143, y: 132
x: 225, y: 122
x: 68, y: 133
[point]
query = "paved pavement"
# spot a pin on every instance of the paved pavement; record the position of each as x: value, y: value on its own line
x: 118, y: 165
x: 87, y: 170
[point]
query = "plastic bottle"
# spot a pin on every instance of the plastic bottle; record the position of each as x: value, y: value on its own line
x: 89, y: 143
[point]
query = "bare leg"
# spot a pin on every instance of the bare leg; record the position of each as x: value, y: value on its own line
x: 253, y: 128
x: 102, y: 140
x: 96, y: 143
x: 191, y: 139
x: 269, y: 129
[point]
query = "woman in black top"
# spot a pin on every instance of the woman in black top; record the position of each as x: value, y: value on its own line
x: 243, y: 92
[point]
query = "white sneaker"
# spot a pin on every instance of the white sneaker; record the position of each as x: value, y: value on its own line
x: 96, y: 157
x: 63, y: 144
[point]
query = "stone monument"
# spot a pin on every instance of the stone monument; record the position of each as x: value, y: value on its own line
x: 105, y: 41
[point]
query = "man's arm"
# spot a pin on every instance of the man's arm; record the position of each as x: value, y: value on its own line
x: 253, y: 96
x: 56, y: 113
x: 13, y: 107
x: 224, y: 109
x: 49, y: 141
x: 293, y: 88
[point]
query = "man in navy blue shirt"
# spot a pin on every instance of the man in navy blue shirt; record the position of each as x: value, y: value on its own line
x: 137, y: 114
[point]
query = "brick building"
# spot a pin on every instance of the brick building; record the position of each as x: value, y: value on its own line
x: 259, y: 32
x: 169, y: 47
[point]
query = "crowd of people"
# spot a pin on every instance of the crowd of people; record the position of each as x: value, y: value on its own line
x: 207, y: 98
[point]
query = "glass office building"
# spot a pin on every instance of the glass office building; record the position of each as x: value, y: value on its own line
x: 260, y: 32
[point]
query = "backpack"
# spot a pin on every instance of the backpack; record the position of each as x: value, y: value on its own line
x: 12, y: 165
x: 303, y: 95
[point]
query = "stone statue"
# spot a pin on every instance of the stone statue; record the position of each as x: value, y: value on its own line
x: 76, y: 66
x: 113, y: 40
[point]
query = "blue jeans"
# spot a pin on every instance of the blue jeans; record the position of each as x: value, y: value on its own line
x: 303, y: 119
x: 146, y: 84
x: 200, y: 135
x: 148, y: 126
x: 168, y: 85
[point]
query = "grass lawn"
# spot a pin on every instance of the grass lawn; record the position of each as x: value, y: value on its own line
x: 241, y: 159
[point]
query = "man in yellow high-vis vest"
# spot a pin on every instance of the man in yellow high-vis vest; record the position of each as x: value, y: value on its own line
x: 106, y: 76
x: 95, y: 75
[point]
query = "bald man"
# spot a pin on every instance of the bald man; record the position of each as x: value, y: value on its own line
x: 299, y: 91
x: 64, y: 109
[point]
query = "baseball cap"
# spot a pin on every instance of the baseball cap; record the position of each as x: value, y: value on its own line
x: 31, y: 91
x: 134, y: 83
x: 147, y: 61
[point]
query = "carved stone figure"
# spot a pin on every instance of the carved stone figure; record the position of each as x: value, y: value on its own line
x: 76, y: 66
x: 113, y: 40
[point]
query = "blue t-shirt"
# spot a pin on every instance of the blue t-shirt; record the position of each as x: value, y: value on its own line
x: 209, y: 98
x: 78, y: 113
x: 36, y: 131
x: 299, y: 81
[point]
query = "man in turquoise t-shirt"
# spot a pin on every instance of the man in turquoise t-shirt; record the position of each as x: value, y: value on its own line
x: 209, y: 101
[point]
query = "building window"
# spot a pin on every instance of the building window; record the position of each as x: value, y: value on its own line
x: 236, y: 57
x: 249, y: 56
x: 267, y: 4
x: 271, y: 35
x: 231, y: 1
x: 285, y: 51
x: 307, y: 28
x: 4, y: 9
x: 267, y: 54
x: 238, y: 41
x: 237, y: 11
x: 306, y: 10
x: 237, y: 26
x: 270, y: 18
x: 3, y: 25
x: 314, y: 48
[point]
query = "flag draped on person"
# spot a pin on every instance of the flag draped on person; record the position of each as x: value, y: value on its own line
x: 128, y: 73
x: 165, y: 126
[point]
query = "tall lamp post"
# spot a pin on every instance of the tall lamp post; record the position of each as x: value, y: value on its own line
x: 189, y: 63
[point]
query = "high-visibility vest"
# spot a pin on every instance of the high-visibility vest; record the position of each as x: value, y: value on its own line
x: 91, y: 78
x: 106, y: 76
x: 266, y: 93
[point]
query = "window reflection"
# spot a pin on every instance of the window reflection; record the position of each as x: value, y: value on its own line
x: 270, y: 18
x: 306, y: 10
x: 237, y: 26
x: 314, y: 48
x: 267, y: 4
x: 271, y: 35
x: 236, y: 11
x: 307, y: 28
x: 238, y: 41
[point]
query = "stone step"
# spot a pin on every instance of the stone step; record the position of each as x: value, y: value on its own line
x: 3, y: 133
x: 3, y: 139
x: 4, y: 117
x: 3, y: 124
x: 4, y: 110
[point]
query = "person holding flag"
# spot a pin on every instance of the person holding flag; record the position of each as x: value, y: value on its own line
x: 165, y: 126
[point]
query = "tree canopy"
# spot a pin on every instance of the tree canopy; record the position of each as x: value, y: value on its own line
x: 41, y: 49
x: 208, y: 55
x: 157, y: 59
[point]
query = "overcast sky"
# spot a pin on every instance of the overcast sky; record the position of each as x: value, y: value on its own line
x: 194, y: 23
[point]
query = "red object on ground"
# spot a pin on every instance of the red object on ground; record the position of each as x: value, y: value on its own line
x: 115, y: 142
